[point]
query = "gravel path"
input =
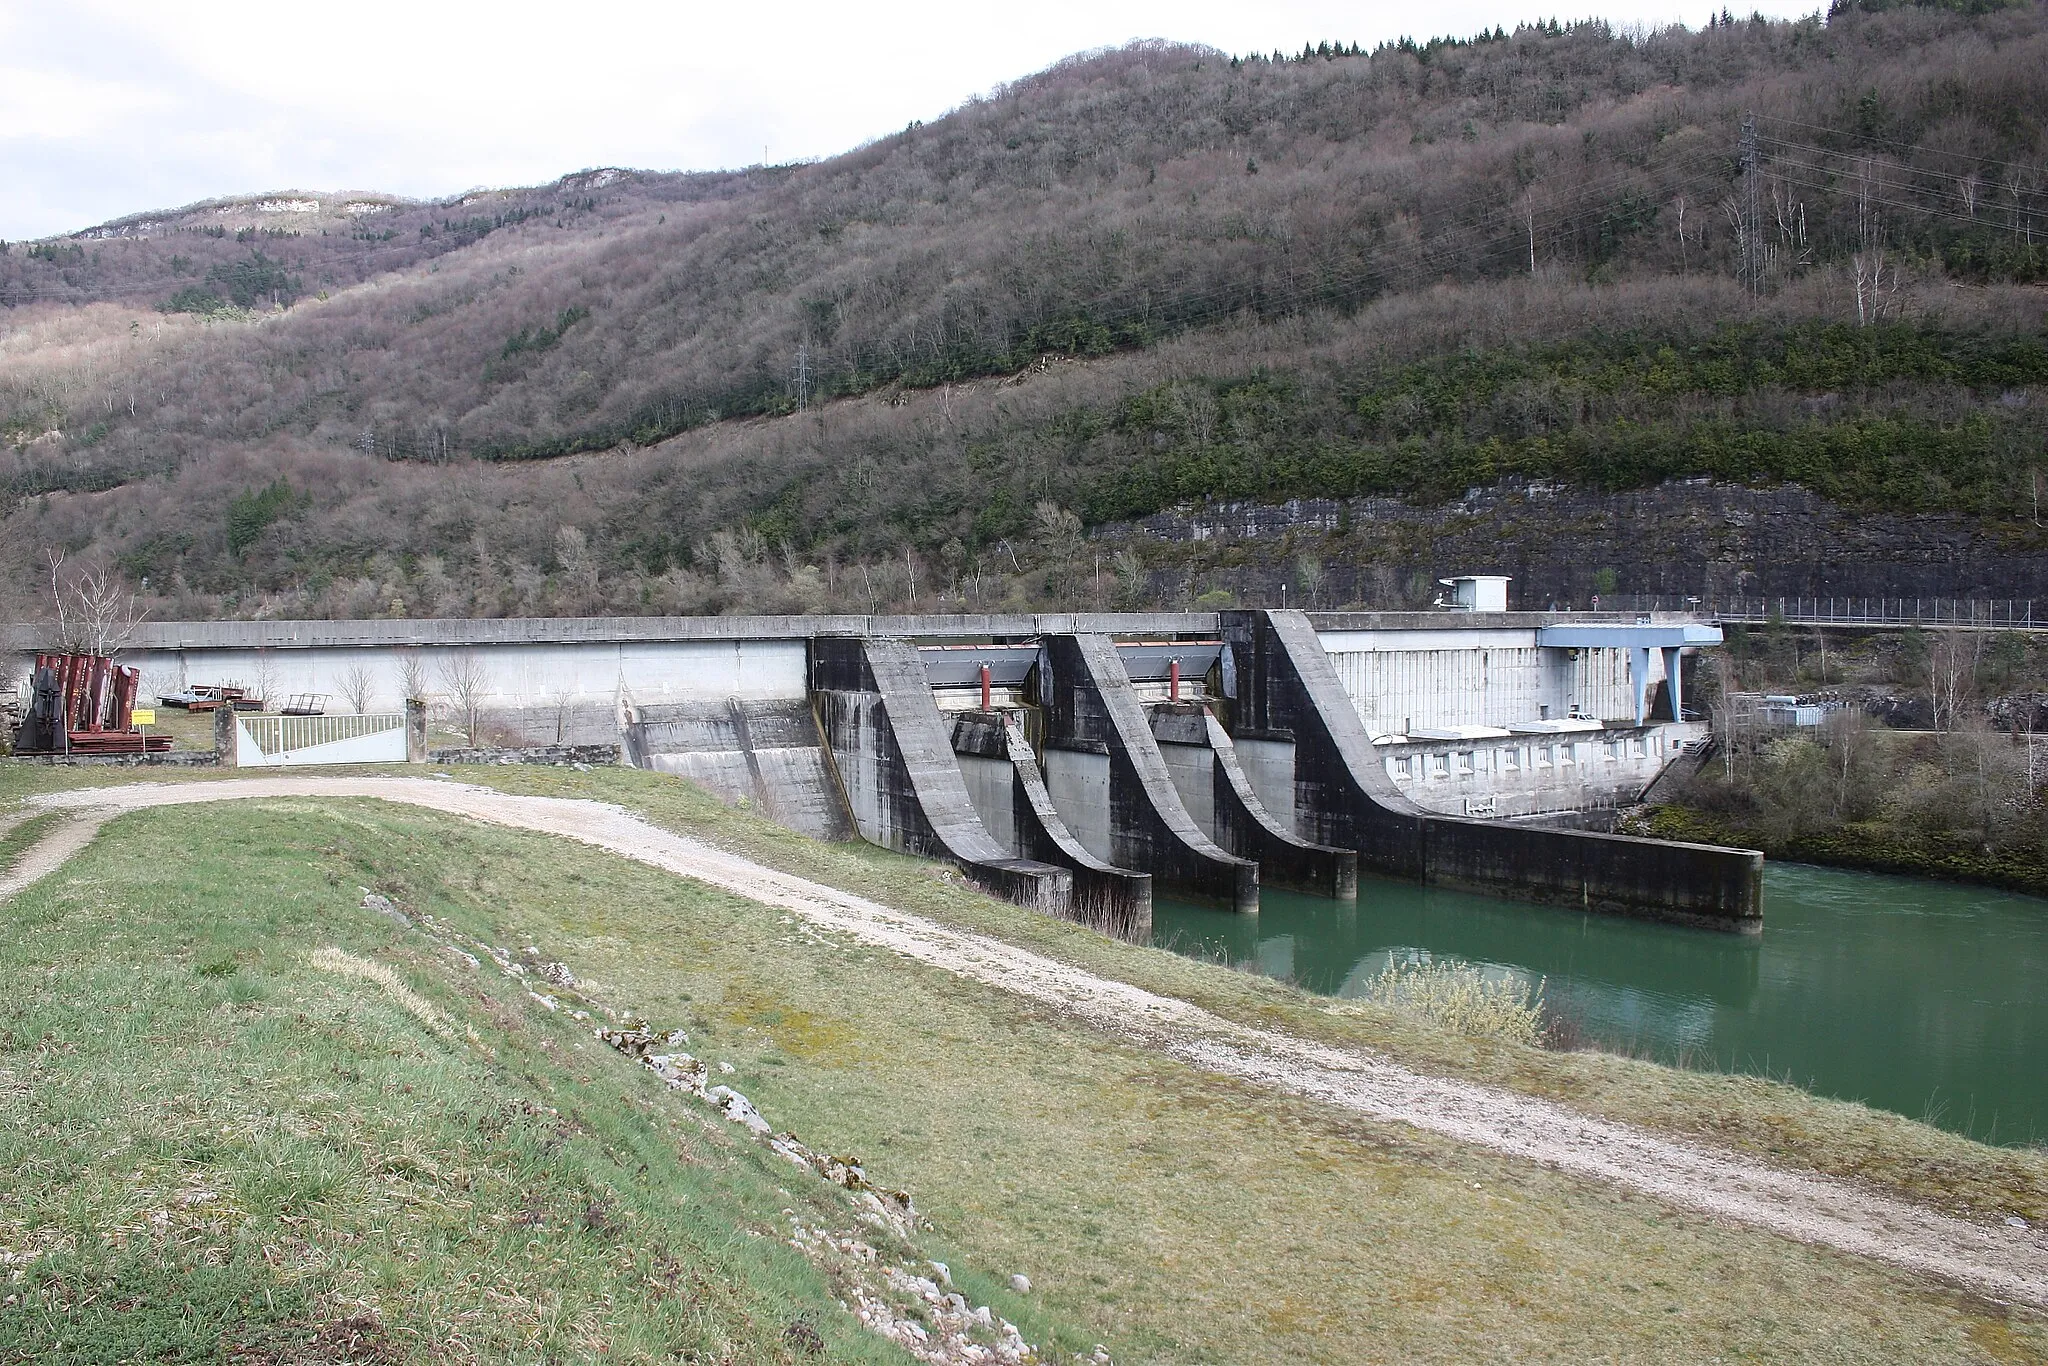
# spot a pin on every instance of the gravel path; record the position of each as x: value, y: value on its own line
x: 48, y: 854
x: 2001, y: 1261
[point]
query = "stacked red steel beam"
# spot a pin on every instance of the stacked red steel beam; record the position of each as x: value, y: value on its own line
x: 98, y: 704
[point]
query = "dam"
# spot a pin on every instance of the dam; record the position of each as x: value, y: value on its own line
x: 1075, y: 763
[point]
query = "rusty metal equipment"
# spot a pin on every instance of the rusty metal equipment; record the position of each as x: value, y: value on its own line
x: 211, y: 697
x: 83, y: 704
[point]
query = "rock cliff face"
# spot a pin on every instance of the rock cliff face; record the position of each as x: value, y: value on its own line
x: 1684, y: 537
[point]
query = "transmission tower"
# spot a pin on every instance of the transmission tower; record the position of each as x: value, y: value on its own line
x: 1752, y: 209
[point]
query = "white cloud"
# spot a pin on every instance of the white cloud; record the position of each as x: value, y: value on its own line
x: 109, y: 107
x: 54, y: 104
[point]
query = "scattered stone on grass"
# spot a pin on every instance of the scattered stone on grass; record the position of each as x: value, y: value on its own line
x: 384, y: 906
x: 932, y: 1323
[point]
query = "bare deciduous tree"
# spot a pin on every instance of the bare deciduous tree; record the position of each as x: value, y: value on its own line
x: 358, y: 684
x: 468, y: 680
x: 1952, y: 662
x: 564, y: 698
x: 412, y: 676
x: 95, y: 611
x: 1309, y: 574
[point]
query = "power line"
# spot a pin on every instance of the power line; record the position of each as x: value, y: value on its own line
x: 1902, y: 206
x: 1890, y: 142
x: 1874, y: 173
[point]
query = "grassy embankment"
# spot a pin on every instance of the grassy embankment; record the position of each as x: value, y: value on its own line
x: 177, y: 1039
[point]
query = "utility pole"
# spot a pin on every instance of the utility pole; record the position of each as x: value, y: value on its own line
x: 1752, y: 209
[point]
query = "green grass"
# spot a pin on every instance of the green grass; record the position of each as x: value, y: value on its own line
x: 1770, y: 1119
x: 1174, y: 1215
x: 212, y: 1146
x: 17, y: 833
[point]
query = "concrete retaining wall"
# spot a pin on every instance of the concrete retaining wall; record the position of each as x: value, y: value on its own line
x: 1686, y: 884
x: 763, y: 750
x: 1343, y: 796
x: 534, y: 691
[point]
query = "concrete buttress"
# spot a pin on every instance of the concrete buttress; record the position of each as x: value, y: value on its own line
x: 1094, y: 721
x: 893, y: 754
x: 1285, y: 684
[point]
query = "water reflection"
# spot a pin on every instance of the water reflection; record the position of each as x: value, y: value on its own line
x: 1917, y: 997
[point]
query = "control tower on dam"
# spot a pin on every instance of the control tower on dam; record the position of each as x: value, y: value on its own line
x: 1076, y: 762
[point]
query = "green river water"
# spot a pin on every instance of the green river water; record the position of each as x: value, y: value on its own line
x: 1925, y: 998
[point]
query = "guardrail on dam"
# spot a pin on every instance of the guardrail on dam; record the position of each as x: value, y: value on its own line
x: 1074, y: 762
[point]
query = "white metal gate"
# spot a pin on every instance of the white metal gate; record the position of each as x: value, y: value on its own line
x: 274, y: 741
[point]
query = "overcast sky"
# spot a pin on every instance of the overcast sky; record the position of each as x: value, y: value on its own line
x: 111, y: 107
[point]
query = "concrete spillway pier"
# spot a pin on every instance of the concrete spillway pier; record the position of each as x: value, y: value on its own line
x: 1079, y: 763
x: 894, y: 757
x: 1343, y: 792
x: 1105, y: 769
x: 1212, y: 782
x: 1008, y: 789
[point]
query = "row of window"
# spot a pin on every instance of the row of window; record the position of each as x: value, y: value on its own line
x: 1460, y: 763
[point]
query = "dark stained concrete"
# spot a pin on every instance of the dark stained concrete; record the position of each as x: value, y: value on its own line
x: 1091, y: 707
x: 1286, y: 687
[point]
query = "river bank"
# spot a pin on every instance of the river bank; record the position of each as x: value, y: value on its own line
x: 1913, y: 996
x: 1875, y: 846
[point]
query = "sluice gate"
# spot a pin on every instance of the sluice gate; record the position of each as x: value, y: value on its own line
x: 1079, y: 763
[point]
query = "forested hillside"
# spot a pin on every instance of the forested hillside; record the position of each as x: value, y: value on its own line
x: 922, y: 372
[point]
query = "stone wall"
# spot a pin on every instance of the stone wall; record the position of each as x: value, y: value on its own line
x: 170, y: 758
x: 1683, y: 537
x: 559, y: 756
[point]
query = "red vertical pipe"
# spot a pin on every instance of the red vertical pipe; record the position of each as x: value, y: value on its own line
x: 984, y: 689
x: 1173, y: 680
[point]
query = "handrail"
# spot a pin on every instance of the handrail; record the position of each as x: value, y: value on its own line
x: 2018, y: 614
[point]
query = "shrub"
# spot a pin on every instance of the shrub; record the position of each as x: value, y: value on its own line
x: 1462, y: 999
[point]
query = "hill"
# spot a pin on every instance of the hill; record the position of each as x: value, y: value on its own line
x: 1144, y: 279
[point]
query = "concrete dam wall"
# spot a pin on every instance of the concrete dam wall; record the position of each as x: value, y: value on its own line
x: 1343, y: 793
x: 1079, y: 763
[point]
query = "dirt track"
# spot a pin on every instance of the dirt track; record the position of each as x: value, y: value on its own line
x: 2003, y: 1262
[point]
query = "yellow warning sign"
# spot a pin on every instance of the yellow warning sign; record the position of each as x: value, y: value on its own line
x: 144, y: 716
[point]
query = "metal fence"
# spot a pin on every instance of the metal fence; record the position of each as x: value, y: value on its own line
x: 276, y: 735
x: 1984, y: 613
